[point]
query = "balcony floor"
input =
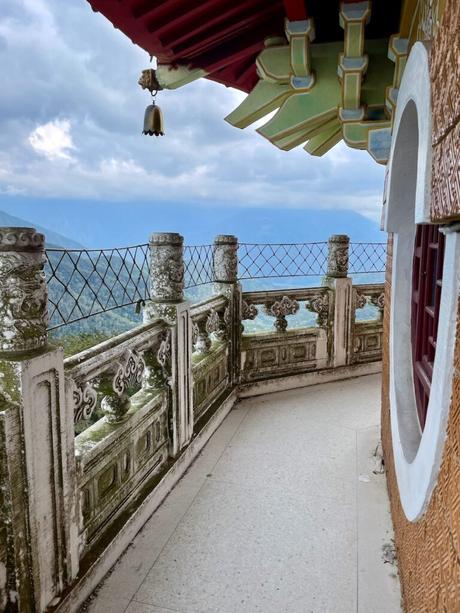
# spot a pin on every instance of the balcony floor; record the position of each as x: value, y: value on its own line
x: 281, y: 513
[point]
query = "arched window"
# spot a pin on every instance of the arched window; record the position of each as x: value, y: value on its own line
x: 425, y: 287
x: 427, y: 272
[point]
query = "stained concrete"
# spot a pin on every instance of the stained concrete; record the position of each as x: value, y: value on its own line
x: 285, y: 511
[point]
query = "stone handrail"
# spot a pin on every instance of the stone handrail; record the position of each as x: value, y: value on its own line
x: 134, y: 358
x: 209, y: 319
x: 71, y: 504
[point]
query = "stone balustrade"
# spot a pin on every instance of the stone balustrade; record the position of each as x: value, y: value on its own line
x: 151, y: 398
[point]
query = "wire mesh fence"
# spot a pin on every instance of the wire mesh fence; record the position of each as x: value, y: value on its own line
x: 83, y: 283
x: 262, y: 261
x: 198, y: 265
x: 366, y: 258
x: 87, y: 282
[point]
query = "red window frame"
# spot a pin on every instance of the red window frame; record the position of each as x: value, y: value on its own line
x: 426, y: 299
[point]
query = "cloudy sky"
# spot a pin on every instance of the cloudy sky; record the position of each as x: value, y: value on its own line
x: 72, y: 156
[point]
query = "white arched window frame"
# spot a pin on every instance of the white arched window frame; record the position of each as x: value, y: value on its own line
x: 417, y: 454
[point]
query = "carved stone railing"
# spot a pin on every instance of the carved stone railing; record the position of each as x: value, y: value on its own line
x: 211, y: 368
x: 368, y: 333
x: 125, y: 379
x: 336, y: 339
x: 150, y: 399
x: 286, y: 351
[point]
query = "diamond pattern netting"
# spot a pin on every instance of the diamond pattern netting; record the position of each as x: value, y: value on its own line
x: 261, y: 261
x: 198, y: 264
x: 86, y: 282
x: 367, y: 258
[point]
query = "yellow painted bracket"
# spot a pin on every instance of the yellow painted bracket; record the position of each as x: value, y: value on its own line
x: 173, y: 77
x: 353, y: 63
x: 397, y: 52
x: 300, y: 34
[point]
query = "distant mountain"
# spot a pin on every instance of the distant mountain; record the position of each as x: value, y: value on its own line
x: 53, y: 239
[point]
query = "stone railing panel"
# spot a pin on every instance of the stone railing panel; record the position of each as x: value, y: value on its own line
x: 104, y: 376
x: 211, y: 368
x: 270, y: 354
x: 288, y: 306
x: 368, y: 333
x: 287, y: 351
x: 115, y: 460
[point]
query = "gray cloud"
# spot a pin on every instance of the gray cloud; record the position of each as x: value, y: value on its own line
x: 70, y: 65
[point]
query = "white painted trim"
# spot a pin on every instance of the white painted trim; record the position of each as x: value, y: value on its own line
x: 417, y: 456
x: 415, y: 87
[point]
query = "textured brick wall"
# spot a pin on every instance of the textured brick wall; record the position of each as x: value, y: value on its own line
x: 429, y: 550
x: 445, y: 78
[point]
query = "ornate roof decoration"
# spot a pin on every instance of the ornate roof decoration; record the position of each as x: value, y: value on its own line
x: 329, y: 70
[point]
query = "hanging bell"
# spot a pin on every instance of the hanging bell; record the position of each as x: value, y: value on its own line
x: 153, y: 121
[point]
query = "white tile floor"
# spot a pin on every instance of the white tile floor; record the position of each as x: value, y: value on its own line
x: 281, y: 513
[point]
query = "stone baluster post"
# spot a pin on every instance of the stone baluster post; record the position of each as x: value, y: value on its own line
x: 337, y: 279
x: 38, y: 552
x: 167, y: 303
x: 225, y: 260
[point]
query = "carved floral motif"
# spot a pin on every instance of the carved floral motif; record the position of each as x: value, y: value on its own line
x: 23, y: 291
x: 280, y: 309
x: 115, y: 403
x: 319, y: 304
x: 85, y: 400
x: 361, y: 300
x: 248, y: 311
x: 337, y: 264
x: 213, y: 322
x: 202, y: 341
x: 379, y: 301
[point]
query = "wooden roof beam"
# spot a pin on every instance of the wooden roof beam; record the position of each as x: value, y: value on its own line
x: 225, y: 33
x: 210, y: 23
x: 173, y: 21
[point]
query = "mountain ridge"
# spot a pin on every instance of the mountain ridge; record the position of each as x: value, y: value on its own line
x: 53, y: 239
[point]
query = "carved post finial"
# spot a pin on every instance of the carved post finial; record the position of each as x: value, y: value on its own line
x: 23, y: 291
x: 166, y: 267
x: 166, y: 276
x: 225, y: 259
x: 337, y: 262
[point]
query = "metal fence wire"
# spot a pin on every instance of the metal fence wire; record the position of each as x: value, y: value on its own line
x: 198, y: 265
x: 87, y: 282
x: 262, y: 261
x: 365, y: 258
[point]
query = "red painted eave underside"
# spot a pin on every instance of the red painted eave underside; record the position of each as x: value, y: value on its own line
x: 224, y: 37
